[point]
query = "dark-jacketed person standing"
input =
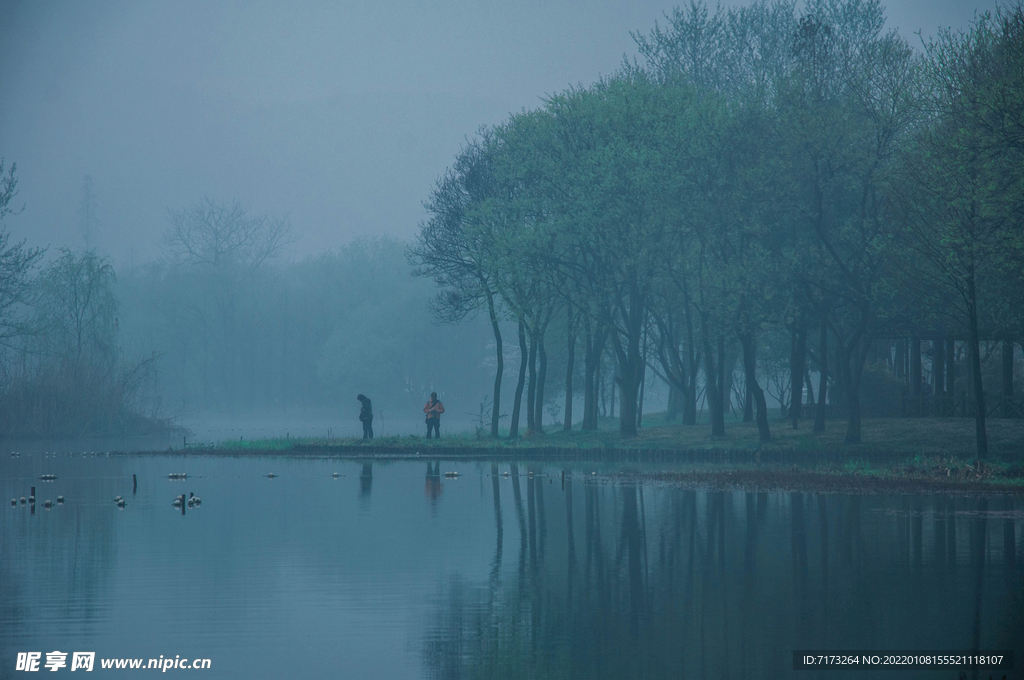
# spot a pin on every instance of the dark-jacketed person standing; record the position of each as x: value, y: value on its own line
x: 366, y: 416
x: 433, y: 408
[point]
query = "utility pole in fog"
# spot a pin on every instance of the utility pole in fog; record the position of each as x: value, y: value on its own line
x: 87, y: 214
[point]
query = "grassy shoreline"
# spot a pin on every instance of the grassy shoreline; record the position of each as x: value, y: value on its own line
x: 904, y: 476
x: 880, y: 436
x: 897, y: 455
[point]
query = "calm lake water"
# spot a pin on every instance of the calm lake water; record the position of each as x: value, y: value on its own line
x: 390, y: 571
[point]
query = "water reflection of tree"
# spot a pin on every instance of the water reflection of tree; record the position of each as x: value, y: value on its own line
x: 674, y: 583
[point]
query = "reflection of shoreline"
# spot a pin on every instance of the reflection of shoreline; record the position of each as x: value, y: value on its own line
x: 716, y: 470
x: 989, y: 514
x: 818, y: 482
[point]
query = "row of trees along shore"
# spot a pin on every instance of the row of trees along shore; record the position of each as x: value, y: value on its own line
x: 773, y: 166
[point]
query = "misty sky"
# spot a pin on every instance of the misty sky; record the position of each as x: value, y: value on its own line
x: 340, y: 114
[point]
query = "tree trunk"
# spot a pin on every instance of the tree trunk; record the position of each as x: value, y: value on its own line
x: 690, y: 400
x: 640, y: 400
x: 853, y: 423
x: 1007, y: 378
x: 542, y: 374
x: 724, y: 383
x: 531, y: 393
x: 643, y: 380
x: 938, y: 367
x: 950, y: 368
x: 591, y: 364
x: 712, y: 386
x: 628, y: 410
x: 915, y: 367
x: 753, y: 389
x: 499, y: 352
x: 981, y: 438
x: 675, y: 398
x: 852, y: 368
x: 819, y: 412
x: 513, y: 428
x: 797, y: 368
x: 690, y: 394
x: 611, y: 398
x: 629, y: 379
x: 569, y: 361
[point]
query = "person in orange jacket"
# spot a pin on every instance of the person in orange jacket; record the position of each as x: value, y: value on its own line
x: 434, y: 408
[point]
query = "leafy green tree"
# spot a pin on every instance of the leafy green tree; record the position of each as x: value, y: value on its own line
x: 962, y: 205
x: 732, y: 62
x: 456, y: 247
x: 850, y: 102
x: 607, y: 157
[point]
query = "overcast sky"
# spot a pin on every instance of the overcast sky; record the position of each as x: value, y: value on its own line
x: 340, y: 114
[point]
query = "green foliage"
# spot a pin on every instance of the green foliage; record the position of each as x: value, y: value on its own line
x: 960, y: 198
x: 744, y: 176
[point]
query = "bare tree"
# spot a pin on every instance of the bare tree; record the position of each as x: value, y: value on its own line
x: 222, y: 247
x: 16, y: 262
x: 77, y: 310
x: 454, y: 247
x: 217, y: 235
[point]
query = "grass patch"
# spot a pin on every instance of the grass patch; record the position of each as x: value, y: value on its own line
x: 903, y: 438
x: 896, y: 454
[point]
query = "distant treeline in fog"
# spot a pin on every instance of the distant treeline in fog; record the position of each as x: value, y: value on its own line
x: 234, y: 334
x: 220, y: 326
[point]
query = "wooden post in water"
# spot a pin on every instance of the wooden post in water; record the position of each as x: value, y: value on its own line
x: 135, y: 483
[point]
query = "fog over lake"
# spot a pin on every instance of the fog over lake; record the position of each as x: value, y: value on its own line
x: 341, y: 115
